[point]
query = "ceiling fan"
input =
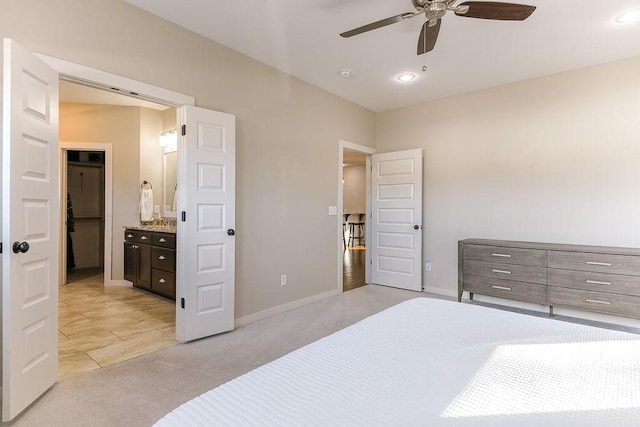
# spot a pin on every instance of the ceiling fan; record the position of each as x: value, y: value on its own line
x: 434, y: 10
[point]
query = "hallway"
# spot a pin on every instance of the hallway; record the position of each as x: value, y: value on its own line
x: 353, y: 268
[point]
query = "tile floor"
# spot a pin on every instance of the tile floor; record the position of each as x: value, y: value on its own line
x: 99, y: 326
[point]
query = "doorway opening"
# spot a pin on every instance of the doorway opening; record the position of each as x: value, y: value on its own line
x: 102, y: 321
x: 85, y: 190
x: 355, y: 206
x: 354, y: 220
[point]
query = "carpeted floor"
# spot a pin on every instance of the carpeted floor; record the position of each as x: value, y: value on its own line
x: 138, y: 392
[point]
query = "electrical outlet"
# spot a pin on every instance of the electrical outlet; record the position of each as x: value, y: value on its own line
x: 283, y: 280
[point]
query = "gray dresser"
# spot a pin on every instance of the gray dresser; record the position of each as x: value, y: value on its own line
x: 595, y: 278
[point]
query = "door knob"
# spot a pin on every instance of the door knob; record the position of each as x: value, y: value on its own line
x: 20, y: 247
x: 416, y: 227
x: 231, y: 232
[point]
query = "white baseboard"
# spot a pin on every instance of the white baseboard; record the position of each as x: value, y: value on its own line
x: 250, y: 318
x: 118, y: 283
x: 440, y: 291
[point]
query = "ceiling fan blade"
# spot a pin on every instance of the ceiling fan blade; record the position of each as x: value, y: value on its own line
x: 495, y: 10
x: 377, y: 24
x: 428, y: 37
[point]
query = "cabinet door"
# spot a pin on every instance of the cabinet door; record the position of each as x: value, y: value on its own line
x: 144, y: 267
x: 130, y: 262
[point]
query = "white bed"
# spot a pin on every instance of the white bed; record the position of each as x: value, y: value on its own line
x: 437, y: 363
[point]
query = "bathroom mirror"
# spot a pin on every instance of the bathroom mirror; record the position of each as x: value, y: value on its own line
x: 170, y: 183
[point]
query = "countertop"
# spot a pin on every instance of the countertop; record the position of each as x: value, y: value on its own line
x: 158, y: 228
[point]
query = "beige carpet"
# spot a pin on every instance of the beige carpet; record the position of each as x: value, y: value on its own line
x: 139, y: 391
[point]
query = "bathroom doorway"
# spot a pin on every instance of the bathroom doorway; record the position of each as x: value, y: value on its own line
x: 102, y: 320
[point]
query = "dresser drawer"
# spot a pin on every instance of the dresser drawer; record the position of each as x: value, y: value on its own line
x: 137, y: 236
x: 130, y: 236
x: 164, y: 259
x: 603, y: 263
x: 621, y: 305
x: 592, y: 281
x: 533, y: 257
x: 518, y: 273
x: 164, y: 240
x: 143, y: 237
x: 163, y: 282
x: 506, y: 289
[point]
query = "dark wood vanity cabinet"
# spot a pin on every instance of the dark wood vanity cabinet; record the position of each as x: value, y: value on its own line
x: 150, y: 261
x: 163, y: 264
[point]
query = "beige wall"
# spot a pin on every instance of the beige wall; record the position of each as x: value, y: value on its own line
x: 354, y: 189
x: 287, y: 133
x: 551, y: 159
x: 151, y: 154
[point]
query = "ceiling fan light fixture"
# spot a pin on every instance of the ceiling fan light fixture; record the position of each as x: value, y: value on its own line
x: 406, y: 77
x: 632, y: 15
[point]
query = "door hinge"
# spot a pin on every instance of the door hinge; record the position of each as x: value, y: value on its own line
x: 181, y: 302
x: 184, y: 216
x: 0, y: 247
x: 184, y: 130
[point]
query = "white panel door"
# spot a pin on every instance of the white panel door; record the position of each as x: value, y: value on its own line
x: 396, y: 223
x: 30, y: 229
x: 205, y: 288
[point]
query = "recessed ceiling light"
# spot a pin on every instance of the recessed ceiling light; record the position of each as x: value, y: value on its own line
x: 406, y: 77
x: 629, y: 16
x: 345, y: 73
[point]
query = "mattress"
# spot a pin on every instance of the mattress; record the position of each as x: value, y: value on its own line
x: 437, y: 363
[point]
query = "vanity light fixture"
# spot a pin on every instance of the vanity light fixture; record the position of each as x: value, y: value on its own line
x: 406, y: 77
x: 169, y: 139
x: 632, y: 15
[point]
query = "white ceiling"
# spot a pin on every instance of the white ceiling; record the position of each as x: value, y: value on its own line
x: 301, y: 38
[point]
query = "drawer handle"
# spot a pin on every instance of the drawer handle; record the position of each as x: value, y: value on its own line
x: 502, y: 255
x: 597, y: 282
x: 143, y: 238
x: 129, y: 236
x: 162, y: 240
x: 606, y: 264
x: 598, y: 301
x: 504, y: 288
x: 161, y: 280
x: 161, y: 257
x: 501, y: 271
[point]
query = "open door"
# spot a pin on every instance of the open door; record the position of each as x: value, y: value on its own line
x: 205, y: 288
x: 30, y: 229
x: 396, y: 223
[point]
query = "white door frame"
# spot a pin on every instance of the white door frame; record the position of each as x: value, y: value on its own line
x: 108, y: 205
x: 114, y: 83
x: 103, y: 80
x: 365, y: 151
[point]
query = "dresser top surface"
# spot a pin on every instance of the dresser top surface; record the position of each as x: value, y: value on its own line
x: 552, y: 246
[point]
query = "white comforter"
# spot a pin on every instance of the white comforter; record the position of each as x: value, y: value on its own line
x: 429, y: 362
